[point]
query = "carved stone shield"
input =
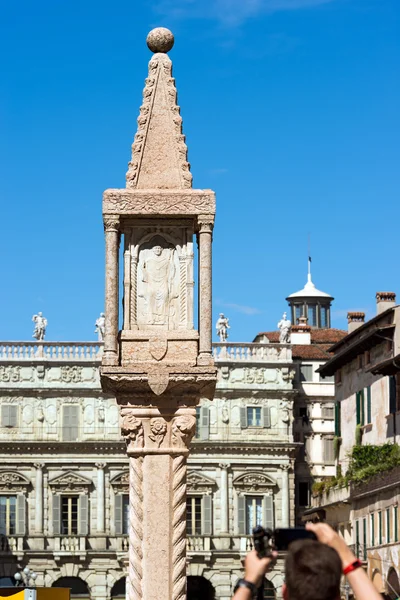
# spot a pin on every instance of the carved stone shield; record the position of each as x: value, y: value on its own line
x: 158, y: 382
x: 158, y: 347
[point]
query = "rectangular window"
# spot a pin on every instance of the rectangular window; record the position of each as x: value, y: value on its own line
x: 372, y: 529
x: 369, y: 412
x: 298, y: 312
x: 360, y: 414
x: 125, y: 514
x: 338, y: 431
x: 254, y: 416
x: 304, y: 493
x: 312, y: 315
x: 395, y: 525
x: 365, y: 539
x: 193, y: 515
x: 9, y: 415
x: 328, y: 412
x: 329, y: 455
x: 324, y: 316
x: 69, y: 515
x: 8, y: 515
x: 388, y: 525
x: 306, y: 373
x: 253, y: 513
x: 358, y: 539
x: 70, y: 422
x: 198, y: 413
x: 380, y: 527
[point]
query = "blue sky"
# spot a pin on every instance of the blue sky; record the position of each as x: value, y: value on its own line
x: 291, y: 112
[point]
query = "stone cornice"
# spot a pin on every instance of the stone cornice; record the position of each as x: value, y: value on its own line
x: 132, y: 202
x: 45, y: 447
x: 266, y: 448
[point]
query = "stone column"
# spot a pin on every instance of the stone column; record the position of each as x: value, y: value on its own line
x: 205, y: 289
x: 111, y: 228
x: 100, y: 497
x: 224, y: 491
x: 39, y: 498
x: 285, y: 520
x: 157, y: 450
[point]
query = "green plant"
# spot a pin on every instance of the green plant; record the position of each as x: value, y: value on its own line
x: 358, y: 435
x: 318, y: 488
x: 336, y: 445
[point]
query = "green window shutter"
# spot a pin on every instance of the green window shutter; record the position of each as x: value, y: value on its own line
x: 380, y: 527
x: 337, y: 419
x: 206, y: 515
x: 369, y: 411
x: 242, y: 515
x: 372, y: 530
x: 243, y: 417
x: 21, y: 528
x: 358, y: 408
x: 268, y: 512
x: 357, y: 539
x: 204, y: 422
x: 388, y: 525
x: 83, y: 514
x: 56, y: 515
x: 362, y: 407
x: 118, y: 524
x: 266, y: 416
x: 395, y: 525
x: 365, y: 539
x: 70, y: 423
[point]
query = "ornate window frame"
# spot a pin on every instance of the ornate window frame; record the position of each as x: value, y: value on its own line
x: 70, y: 483
x: 120, y: 483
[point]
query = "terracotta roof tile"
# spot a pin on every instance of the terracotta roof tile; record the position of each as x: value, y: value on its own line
x: 318, y: 336
x: 311, y: 351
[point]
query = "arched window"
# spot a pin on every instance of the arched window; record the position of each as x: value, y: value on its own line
x: 118, y: 590
x: 78, y: 587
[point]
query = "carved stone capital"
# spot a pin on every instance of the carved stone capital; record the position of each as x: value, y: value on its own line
x: 285, y: 467
x: 224, y: 466
x: 132, y: 430
x: 101, y: 465
x: 39, y: 466
x: 111, y: 223
x: 205, y: 223
x: 158, y: 429
x: 183, y: 429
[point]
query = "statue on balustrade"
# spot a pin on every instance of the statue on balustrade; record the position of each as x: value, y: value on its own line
x: 100, y: 325
x: 222, y: 327
x: 157, y: 286
x: 284, y: 326
x: 40, y: 326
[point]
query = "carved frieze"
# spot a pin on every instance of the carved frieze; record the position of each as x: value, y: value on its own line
x: 10, y: 373
x: 197, y: 481
x: 132, y: 430
x: 158, y: 428
x: 120, y: 482
x: 183, y: 429
x: 158, y: 202
x: 253, y: 482
x: 71, y: 374
x: 70, y: 482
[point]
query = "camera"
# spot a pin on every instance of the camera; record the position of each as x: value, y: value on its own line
x: 266, y: 540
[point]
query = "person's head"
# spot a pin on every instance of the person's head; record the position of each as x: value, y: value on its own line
x: 157, y: 250
x: 312, y: 572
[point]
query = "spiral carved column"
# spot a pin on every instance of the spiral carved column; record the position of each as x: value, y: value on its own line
x: 135, y: 569
x: 179, y: 528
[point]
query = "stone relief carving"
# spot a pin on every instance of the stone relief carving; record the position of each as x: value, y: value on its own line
x: 225, y: 413
x: 10, y: 373
x: 253, y: 482
x: 158, y: 285
x: 284, y: 411
x: 196, y: 481
x: 27, y: 416
x: 71, y: 374
x: 112, y: 416
x: 120, y: 482
x: 70, y: 481
x: 39, y: 331
x: 132, y: 429
x: 158, y: 428
x: 183, y: 429
x: 9, y: 480
x: 160, y: 203
x: 88, y: 418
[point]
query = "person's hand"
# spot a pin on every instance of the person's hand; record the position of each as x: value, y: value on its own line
x: 255, y: 567
x: 326, y: 535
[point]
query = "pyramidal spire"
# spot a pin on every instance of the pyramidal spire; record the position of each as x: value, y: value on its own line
x: 159, y: 151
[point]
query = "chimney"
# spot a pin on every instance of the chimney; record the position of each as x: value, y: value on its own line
x: 354, y: 320
x: 384, y: 300
x: 301, y: 333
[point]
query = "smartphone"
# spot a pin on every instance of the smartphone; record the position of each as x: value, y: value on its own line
x: 284, y: 537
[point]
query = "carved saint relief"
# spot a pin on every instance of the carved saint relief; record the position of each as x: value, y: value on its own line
x: 158, y: 285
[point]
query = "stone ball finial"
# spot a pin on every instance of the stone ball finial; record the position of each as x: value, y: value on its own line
x: 160, y: 39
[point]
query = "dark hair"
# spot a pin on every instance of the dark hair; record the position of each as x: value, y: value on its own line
x: 313, y: 571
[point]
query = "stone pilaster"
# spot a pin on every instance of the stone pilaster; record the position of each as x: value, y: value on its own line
x: 206, y: 224
x: 39, y: 498
x: 224, y: 491
x: 285, y: 519
x: 100, y: 497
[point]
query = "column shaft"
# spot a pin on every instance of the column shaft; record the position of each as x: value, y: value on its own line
x: 111, y: 292
x: 205, y: 292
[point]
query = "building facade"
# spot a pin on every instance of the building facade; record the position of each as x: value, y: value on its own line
x: 365, y: 365
x: 64, y: 472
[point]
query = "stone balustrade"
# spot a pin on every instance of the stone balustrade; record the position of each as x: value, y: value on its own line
x: 69, y: 544
x: 57, y: 351
x: 9, y: 544
x: 198, y: 543
x: 224, y: 352
x: 92, y: 351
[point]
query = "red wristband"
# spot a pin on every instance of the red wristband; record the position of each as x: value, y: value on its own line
x: 352, y: 567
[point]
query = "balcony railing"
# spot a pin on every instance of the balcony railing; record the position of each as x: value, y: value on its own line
x: 70, y: 544
x: 10, y: 544
x: 252, y: 352
x: 57, y: 351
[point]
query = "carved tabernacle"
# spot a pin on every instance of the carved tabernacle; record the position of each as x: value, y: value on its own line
x: 158, y: 366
